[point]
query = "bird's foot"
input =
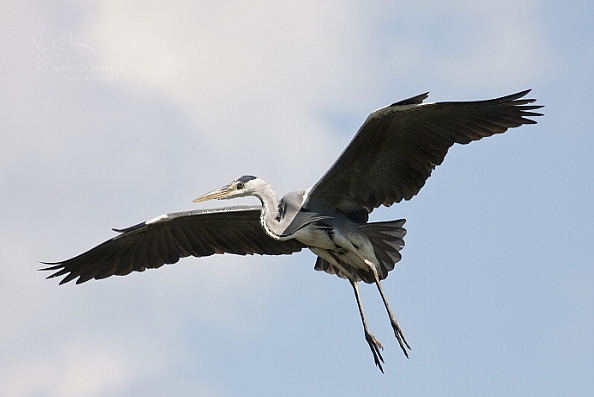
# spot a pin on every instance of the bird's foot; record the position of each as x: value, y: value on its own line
x: 400, y: 337
x: 375, y: 347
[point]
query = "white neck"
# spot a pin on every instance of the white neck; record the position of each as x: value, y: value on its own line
x: 269, y: 212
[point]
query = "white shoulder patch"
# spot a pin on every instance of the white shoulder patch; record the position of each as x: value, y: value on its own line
x: 162, y: 218
x: 396, y: 108
x: 393, y: 109
x: 305, y: 197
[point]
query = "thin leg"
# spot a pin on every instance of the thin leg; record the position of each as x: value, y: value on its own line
x: 397, y: 331
x: 374, y: 344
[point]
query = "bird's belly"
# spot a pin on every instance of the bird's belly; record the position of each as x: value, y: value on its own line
x: 313, y: 237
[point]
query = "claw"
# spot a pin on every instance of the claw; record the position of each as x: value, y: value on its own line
x: 401, y: 339
x: 375, y: 347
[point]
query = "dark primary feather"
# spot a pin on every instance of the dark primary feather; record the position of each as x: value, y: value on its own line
x: 397, y: 148
x: 234, y: 230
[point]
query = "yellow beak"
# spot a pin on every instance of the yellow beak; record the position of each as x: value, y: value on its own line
x: 216, y: 194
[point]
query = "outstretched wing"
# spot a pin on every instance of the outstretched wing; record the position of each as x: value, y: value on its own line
x: 398, y: 146
x: 166, y: 239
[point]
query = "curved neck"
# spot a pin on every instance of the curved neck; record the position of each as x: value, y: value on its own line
x: 269, y: 214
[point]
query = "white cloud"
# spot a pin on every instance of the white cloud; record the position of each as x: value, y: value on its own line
x: 247, y: 76
x: 90, y: 367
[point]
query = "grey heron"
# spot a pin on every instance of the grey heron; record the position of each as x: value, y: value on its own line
x: 388, y: 160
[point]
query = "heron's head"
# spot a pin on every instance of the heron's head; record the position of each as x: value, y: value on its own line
x: 243, y: 186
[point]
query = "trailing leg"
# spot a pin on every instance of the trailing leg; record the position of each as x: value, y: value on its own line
x: 373, y: 343
x: 397, y: 330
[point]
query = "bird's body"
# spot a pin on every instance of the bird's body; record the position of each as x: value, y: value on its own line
x: 387, y: 161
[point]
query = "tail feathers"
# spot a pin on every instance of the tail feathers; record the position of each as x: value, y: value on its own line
x: 323, y: 265
x: 355, y: 273
x: 387, y: 239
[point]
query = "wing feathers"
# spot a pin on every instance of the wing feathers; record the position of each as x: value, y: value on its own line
x: 165, y: 240
x: 398, y: 147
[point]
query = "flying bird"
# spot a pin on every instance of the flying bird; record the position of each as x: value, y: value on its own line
x: 388, y: 160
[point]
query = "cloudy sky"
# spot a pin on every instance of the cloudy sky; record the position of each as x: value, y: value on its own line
x: 116, y: 112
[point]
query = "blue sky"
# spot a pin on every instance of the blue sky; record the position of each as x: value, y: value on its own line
x: 114, y: 113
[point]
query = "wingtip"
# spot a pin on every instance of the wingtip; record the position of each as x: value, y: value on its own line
x: 49, y: 266
x: 57, y: 268
x: 513, y: 98
x: 518, y: 100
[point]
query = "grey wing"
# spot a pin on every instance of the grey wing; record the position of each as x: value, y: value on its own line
x: 398, y: 146
x: 168, y: 238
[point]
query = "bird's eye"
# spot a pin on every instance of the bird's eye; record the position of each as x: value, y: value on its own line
x: 239, y: 185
